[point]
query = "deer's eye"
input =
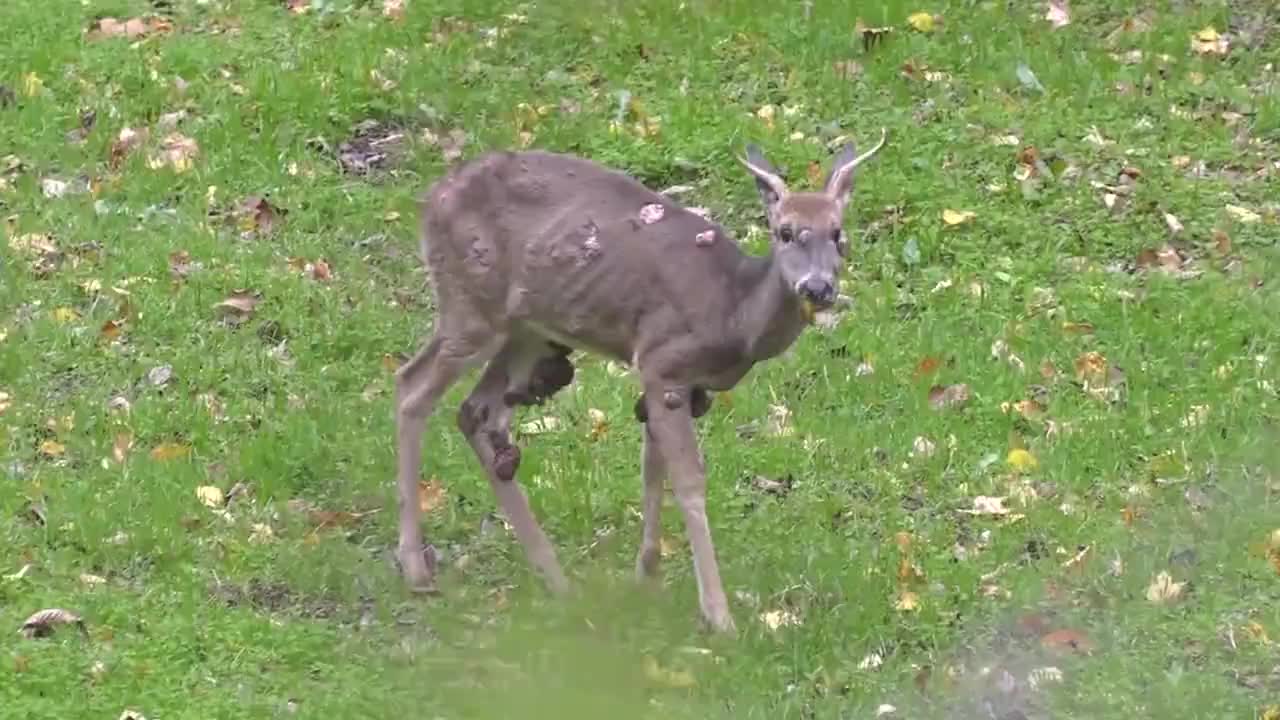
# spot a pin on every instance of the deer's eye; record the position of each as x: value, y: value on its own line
x: 786, y: 234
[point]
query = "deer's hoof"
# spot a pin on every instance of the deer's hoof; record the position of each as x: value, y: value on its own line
x: 418, y: 569
x: 720, y: 623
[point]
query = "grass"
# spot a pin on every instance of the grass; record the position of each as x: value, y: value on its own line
x: 251, y: 610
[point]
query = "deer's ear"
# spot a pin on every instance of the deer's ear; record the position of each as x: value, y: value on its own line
x: 771, y: 186
x: 839, y: 183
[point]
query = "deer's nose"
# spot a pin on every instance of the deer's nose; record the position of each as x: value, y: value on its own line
x: 818, y: 291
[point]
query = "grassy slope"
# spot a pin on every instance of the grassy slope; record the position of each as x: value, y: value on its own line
x: 197, y: 620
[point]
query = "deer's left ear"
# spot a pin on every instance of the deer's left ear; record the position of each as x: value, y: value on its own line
x: 839, y: 184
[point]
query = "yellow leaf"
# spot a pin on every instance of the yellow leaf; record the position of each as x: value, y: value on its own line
x: 1022, y: 460
x: 64, y: 315
x: 123, y: 443
x: 210, y: 496
x: 775, y: 619
x: 1164, y: 590
x: 32, y: 85
x: 1270, y: 713
x: 430, y: 494
x: 5, y: 401
x: 921, y: 21
x: 52, y: 448
x: 170, y: 451
x: 907, y: 601
x: 957, y: 217
x: 599, y: 424
x: 668, y: 678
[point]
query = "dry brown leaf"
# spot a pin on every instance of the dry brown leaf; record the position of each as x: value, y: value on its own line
x: 431, y: 495
x: 1164, y: 590
x: 927, y: 366
x: 132, y: 28
x: 950, y: 396
x: 52, y: 448
x: 239, y: 304
x: 170, y: 451
x: 256, y: 215
x: 42, y: 624
x: 176, y: 151
x: 1097, y: 377
x: 317, y: 270
x: 1068, y: 640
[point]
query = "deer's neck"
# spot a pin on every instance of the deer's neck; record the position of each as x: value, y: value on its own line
x: 769, y: 316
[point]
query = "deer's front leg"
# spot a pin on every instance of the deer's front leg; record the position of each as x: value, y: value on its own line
x: 670, y: 426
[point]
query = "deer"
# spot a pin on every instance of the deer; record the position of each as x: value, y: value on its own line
x: 533, y: 255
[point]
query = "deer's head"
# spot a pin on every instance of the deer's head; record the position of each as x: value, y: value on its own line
x: 807, y: 228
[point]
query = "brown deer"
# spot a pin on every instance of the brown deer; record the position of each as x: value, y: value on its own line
x: 534, y: 254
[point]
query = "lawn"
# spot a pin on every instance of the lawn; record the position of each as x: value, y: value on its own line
x: 1028, y: 471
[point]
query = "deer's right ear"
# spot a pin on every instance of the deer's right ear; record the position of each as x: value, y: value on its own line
x: 772, y: 188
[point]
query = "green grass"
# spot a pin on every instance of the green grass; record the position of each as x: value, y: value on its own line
x: 195, y: 619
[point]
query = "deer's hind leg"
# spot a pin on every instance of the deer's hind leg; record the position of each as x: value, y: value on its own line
x: 526, y: 370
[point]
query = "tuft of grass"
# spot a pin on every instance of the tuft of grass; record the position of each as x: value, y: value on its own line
x: 123, y: 389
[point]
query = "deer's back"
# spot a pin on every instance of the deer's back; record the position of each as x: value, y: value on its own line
x: 579, y: 251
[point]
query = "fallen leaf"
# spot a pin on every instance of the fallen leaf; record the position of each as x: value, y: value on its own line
x: 1022, y: 460
x: 431, y: 495
x: 1058, y: 13
x: 52, y: 448
x: 169, y: 451
x: 41, y: 624
x: 923, y: 447
x: 540, y: 425
x: 64, y: 315
x: 393, y: 9
x: 32, y: 85
x: 1172, y: 222
x: 239, y: 304
x: 677, y: 679
x: 256, y: 215
x: 211, y: 496
x: 177, y: 151
x: 957, y: 217
x: 775, y: 619
x: 928, y: 365
x: 1209, y: 42
x: 986, y: 505
x: 261, y: 533
x: 91, y: 580
x: 120, y: 448
x: 921, y: 21
x: 779, y: 423
x: 1098, y: 378
x: 132, y: 29
x: 1164, y: 590
x: 1068, y: 640
x: 599, y: 424
x: 1244, y: 215
x: 5, y: 401
x: 907, y: 601
x: 941, y: 398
